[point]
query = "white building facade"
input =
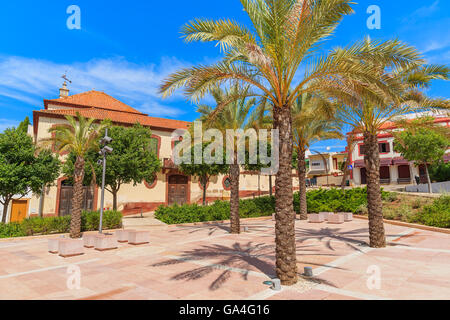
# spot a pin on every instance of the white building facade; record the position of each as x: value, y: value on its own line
x: 394, y: 169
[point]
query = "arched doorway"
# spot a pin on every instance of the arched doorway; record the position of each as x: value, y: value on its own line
x: 178, y: 190
x: 66, y: 195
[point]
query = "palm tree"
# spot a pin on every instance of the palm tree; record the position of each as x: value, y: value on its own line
x: 285, y: 37
x: 77, y: 137
x: 313, y: 120
x: 238, y: 114
x: 366, y: 108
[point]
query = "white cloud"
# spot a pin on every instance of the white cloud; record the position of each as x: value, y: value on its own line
x: 423, y: 12
x: 32, y: 80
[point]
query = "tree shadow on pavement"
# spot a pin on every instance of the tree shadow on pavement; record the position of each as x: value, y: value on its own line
x: 237, y: 258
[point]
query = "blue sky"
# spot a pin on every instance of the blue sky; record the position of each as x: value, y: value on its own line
x: 126, y: 48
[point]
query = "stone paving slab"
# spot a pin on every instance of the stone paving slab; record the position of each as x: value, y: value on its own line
x: 202, y: 262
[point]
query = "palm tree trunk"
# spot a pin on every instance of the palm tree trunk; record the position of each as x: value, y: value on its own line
x: 286, y: 260
x: 78, y: 176
x: 374, y: 201
x: 430, y: 187
x: 234, y: 201
x: 301, y: 170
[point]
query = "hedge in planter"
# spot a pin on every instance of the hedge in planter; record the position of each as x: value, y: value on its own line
x: 53, y: 225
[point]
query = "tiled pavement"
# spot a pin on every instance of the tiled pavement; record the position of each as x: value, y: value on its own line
x: 206, y: 262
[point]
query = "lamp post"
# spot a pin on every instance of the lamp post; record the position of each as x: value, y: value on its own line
x: 103, y: 152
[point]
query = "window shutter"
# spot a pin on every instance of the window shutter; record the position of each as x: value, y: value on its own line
x: 388, y: 147
x: 154, y: 146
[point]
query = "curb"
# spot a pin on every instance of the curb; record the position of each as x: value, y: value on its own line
x: 409, y: 225
x: 218, y: 222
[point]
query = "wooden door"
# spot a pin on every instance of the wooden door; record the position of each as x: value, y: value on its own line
x: 178, y: 190
x: 385, y: 175
x: 363, y: 176
x: 404, y: 174
x: 65, y: 200
x: 18, y: 210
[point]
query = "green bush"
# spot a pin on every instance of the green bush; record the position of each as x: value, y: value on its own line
x: 336, y: 200
x: 437, y: 214
x: 51, y: 225
x: 218, y: 211
x: 321, y: 200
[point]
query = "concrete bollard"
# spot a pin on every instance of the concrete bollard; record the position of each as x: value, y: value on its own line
x: 308, y: 272
x: 70, y: 247
x: 348, y: 216
x: 336, y: 219
x: 315, y: 218
x: 276, y: 284
x: 104, y: 242
x: 53, y: 245
x: 89, y: 240
x: 122, y: 235
x: 138, y: 237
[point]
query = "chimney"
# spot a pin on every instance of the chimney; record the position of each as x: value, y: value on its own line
x: 64, y: 92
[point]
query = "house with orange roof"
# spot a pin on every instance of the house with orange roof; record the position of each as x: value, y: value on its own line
x: 169, y: 186
x: 394, y: 169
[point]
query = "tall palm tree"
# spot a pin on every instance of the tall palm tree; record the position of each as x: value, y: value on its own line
x: 285, y: 37
x: 313, y: 120
x: 238, y: 114
x: 367, y: 109
x: 77, y: 137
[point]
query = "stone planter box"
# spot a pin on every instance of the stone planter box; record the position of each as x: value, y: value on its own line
x: 348, y: 216
x: 315, y: 218
x: 53, y: 245
x: 89, y: 240
x: 70, y: 247
x: 104, y: 242
x: 122, y: 235
x: 138, y: 237
x: 336, y: 219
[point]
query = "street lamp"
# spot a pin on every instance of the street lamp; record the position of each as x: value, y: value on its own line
x: 103, y: 152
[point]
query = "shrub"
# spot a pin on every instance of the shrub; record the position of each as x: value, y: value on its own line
x: 11, y: 230
x: 335, y: 200
x: 321, y: 200
x: 50, y: 225
x: 437, y: 214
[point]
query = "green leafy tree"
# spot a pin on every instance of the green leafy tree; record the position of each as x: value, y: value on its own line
x: 423, y: 146
x: 78, y: 136
x: 132, y: 160
x: 204, y: 171
x: 285, y: 37
x: 440, y: 172
x: 23, y: 168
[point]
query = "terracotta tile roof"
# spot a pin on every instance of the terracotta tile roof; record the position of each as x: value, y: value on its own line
x: 118, y: 117
x: 392, y: 125
x: 95, y: 99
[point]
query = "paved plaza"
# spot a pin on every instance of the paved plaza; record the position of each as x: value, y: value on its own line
x: 202, y: 262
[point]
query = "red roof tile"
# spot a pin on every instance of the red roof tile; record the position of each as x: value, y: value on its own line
x: 118, y: 117
x: 95, y: 99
